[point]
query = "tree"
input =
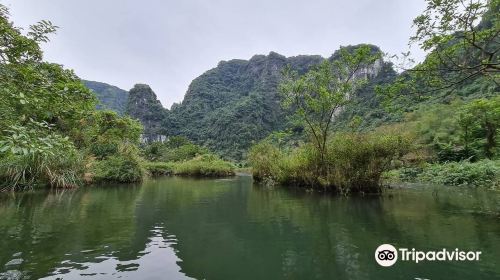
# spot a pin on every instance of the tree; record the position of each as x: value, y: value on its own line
x: 485, y: 114
x: 462, y: 38
x: 104, y: 132
x: 321, y: 93
x: 41, y: 105
x: 33, y: 89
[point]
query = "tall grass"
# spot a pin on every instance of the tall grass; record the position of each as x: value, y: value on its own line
x: 35, y: 155
x: 28, y: 171
x: 204, y: 166
x: 354, y: 162
x: 159, y: 168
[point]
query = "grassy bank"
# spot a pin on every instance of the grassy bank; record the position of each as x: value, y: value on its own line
x: 200, y: 166
x: 484, y: 173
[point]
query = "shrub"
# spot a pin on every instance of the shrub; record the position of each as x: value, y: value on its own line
x: 485, y: 173
x: 34, y: 155
x: 159, y: 168
x: 408, y: 174
x: 174, y: 149
x: 482, y: 173
x: 124, y: 167
x: 266, y: 160
x: 355, y: 162
x: 459, y: 131
x: 105, y: 131
x: 204, y: 166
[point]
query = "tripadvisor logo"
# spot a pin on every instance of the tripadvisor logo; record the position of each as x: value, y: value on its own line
x: 387, y: 255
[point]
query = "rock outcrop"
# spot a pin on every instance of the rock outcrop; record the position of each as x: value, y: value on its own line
x: 144, y: 105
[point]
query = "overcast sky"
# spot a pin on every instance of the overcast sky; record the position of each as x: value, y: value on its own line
x: 167, y: 43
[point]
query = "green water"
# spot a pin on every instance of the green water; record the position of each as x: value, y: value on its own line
x: 176, y: 228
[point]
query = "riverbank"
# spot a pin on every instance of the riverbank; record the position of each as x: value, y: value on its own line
x: 484, y: 173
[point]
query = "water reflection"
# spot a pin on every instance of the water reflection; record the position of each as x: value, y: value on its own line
x: 177, y: 228
x: 156, y: 261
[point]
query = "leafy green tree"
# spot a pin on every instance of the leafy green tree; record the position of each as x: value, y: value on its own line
x: 484, y: 114
x: 104, y: 131
x: 462, y: 38
x: 322, y: 92
x: 33, y: 89
x: 41, y: 105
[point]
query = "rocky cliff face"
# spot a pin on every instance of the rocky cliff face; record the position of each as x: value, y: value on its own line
x: 143, y: 105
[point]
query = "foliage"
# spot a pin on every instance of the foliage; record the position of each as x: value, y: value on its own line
x: 462, y: 37
x: 104, y: 131
x: 159, y: 168
x: 41, y: 104
x: 113, y: 141
x: 482, y: 117
x: 43, y: 92
x: 17, y: 48
x: 462, y: 41
x: 459, y: 131
x: 36, y: 155
x: 175, y: 148
x: 484, y: 173
x: 33, y: 89
x: 204, y: 166
x: 124, y: 166
x: 267, y: 161
x: 355, y: 162
x: 324, y: 90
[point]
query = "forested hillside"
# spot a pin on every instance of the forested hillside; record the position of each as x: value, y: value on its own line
x: 110, y: 97
x: 234, y: 104
x: 237, y: 103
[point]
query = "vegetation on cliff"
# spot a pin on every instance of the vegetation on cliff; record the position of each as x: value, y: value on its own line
x: 143, y: 105
x: 110, y: 97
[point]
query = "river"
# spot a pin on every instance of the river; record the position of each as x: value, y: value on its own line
x: 180, y: 228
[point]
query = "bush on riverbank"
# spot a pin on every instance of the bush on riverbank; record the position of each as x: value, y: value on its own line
x: 355, y: 162
x: 204, y: 166
x: 179, y: 156
x: 485, y: 173
x: 176, y: 148
x: 124, y: 167
x: 35, y: 155
x: 112, y: 142
x: 159, y: 168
